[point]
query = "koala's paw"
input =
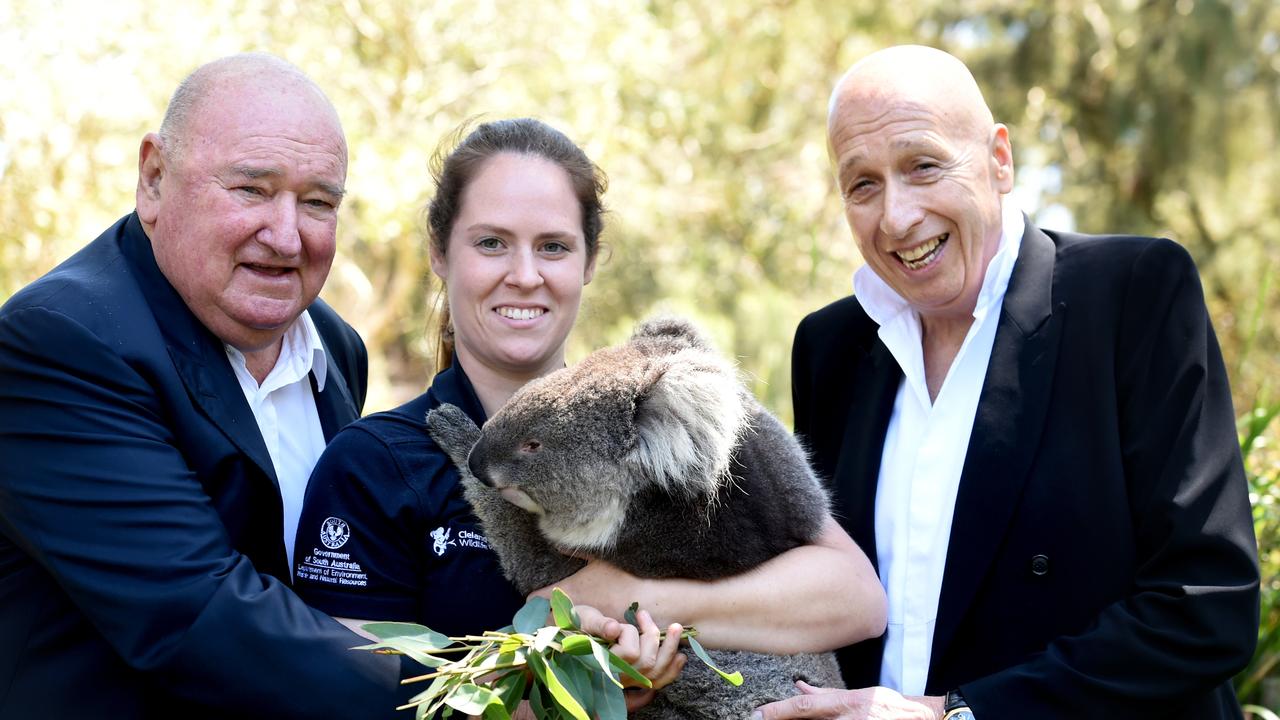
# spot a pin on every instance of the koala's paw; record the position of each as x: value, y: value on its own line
x: 488, y: 504
x: 454, y: 432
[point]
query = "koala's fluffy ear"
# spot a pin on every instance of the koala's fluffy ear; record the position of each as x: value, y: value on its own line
x: 689, y: 415
x: 674, y: 329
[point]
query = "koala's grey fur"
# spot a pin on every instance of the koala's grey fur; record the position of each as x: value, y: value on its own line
x: 653, y: 457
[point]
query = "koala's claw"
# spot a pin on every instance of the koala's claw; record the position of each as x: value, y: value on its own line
x: 453, y: 431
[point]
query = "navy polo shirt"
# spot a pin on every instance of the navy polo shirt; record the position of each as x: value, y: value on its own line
x: 386, y: 533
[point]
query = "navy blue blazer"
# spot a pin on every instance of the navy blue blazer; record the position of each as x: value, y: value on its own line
x: 142, y: 567
x: 1102, y: 561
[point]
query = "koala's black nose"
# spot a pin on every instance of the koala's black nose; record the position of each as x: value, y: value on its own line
x: 475, y: 462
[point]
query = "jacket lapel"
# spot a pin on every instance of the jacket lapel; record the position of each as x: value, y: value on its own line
x: 877, y: 377
x: 198, y: 356
x: 1006, y: 430
x: 334, y: 405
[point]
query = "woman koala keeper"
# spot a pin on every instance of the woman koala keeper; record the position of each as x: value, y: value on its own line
x: 386, y: 533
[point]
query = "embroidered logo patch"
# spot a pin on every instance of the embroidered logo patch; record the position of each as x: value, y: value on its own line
x: 466, y: 538
x: 334, y: 532
x: 440, y: 536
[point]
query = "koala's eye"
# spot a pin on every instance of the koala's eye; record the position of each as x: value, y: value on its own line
x: 530, y: 446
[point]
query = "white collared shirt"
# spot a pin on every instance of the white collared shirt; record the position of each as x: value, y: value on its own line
x: 285, y: 409
x: 923, y: 456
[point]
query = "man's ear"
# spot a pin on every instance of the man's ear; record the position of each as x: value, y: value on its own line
x: 1002, y: 158
x: 151, y: 171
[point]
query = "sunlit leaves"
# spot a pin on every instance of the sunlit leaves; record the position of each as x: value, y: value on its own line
x: 563, y: 672
x: 562, y: 610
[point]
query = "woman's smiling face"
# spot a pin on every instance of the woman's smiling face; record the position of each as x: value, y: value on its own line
x: 515, y: 266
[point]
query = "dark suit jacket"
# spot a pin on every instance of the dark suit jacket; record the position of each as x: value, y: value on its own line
x: 142, y: 567
x: 1102, y: 560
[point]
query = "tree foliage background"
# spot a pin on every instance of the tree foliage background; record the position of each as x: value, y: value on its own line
x: 1145, y: 116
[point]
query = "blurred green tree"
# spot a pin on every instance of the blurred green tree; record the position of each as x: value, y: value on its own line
x: 1143, y: 116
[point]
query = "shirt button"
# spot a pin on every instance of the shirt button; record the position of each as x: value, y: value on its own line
x: 1040, y: 565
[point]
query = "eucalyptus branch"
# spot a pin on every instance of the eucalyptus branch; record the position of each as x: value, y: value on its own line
x: 563, y: 671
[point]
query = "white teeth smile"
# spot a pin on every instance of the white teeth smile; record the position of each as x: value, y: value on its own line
x: 921, y: 255
x: 520, y: 313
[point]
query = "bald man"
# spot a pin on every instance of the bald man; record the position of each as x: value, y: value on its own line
x: 164, y: 394
x: 1029, y: 432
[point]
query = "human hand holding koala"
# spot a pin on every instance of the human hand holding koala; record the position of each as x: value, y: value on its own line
x: 654, y: 458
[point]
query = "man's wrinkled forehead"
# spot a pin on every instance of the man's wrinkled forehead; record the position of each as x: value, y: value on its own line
x: 910, y: 78
x: 244, y: 123
x: 901, y: 124
x: 903, y: 121
x: 862, y: 110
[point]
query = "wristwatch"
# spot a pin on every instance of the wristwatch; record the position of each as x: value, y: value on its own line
x: 955, y: 708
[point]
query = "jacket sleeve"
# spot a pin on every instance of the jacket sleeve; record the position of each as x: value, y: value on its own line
x: 1190, y: 619
x: 801, y: 393
x: 95, y: 492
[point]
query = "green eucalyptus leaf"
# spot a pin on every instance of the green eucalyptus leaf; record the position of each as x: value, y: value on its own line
x: 559, y: 693
x: 532, y: 616
x: 517, y: 658
x: 610, y: 704
x: 601, y: 654
x: 576, y: 645
x: 438, y: 685
x: 734, y: 679
x: 563, y: 612
x: 496, y: 712
x: 411, y: 639
x: 543, y: 638
x: 539, y: 703
x: 421, y: 635
x: 1261, y: 712
x: 488, y: 657
x: 539, y: 667
x: 511, y: 687
x: 430, y: 661
x: 473, y: 699
x: 450, y: 684
x: 625, y: 668
x: 630, y: 614
x: 579, y: 674
x: 512, y: 643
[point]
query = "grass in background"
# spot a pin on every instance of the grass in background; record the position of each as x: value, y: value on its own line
x: 1260, y: 445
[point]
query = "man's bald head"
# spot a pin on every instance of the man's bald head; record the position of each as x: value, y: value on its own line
x: 213, y: 80
x: 239, y: 195
x: 919, y: 74
x: 922, y: 168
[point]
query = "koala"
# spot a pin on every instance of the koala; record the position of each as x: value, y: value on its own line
x: 654, y: 457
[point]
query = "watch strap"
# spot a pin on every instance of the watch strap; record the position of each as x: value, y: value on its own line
x: 954, y: 707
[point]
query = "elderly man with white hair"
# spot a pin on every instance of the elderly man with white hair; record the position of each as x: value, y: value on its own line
x: 1029, y: 432
x: 164, y: 394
